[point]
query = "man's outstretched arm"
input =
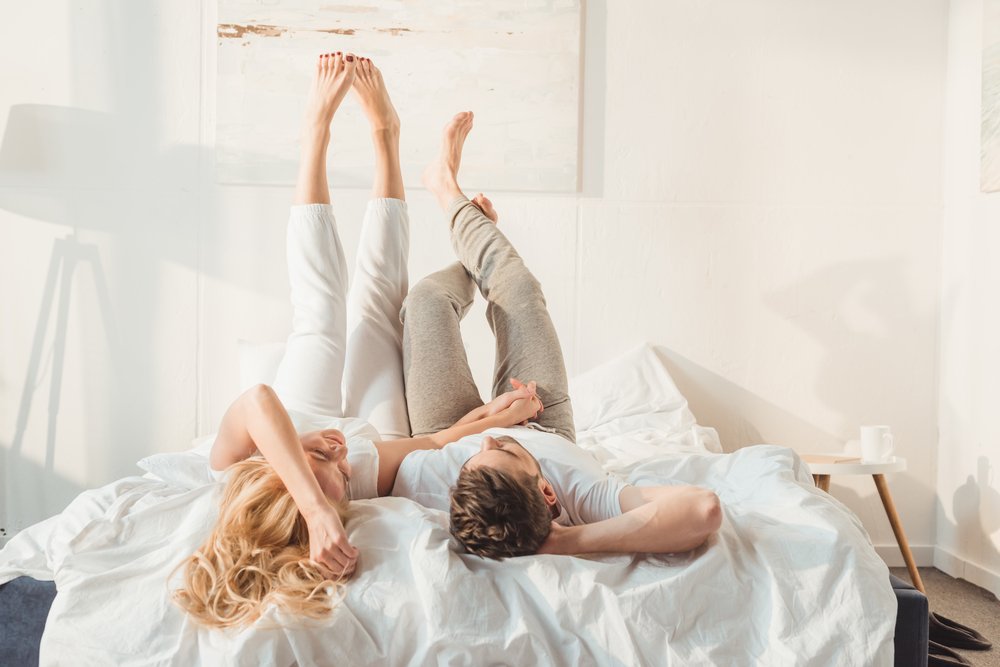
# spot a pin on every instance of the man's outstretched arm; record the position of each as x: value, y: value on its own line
x: 656, y: 519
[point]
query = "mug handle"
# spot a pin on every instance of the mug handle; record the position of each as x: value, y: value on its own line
x: 888, y: 436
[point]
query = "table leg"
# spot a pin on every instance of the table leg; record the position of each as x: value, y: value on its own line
x: 822, y: 482
x: 897, y: 529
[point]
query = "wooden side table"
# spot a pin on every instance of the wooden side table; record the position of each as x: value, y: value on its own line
x: 822, y: 472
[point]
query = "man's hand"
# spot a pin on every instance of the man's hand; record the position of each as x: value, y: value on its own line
x: 520, y: 391
x: 328, y: 544
x: 520, y: 411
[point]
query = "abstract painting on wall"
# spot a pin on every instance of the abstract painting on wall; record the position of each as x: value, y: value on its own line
x: 517, y: 69
x: 990, y: 132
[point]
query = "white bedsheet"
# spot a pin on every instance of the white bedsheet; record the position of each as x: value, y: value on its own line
x: 790, y: 579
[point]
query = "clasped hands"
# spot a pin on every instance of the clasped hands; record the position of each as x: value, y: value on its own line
x: 517, y: 406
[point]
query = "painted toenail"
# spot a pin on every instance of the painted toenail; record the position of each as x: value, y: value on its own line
x: 349, y: 59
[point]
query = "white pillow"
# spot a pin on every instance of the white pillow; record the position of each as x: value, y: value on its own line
x: 635, y: 383
x: 259, y: 362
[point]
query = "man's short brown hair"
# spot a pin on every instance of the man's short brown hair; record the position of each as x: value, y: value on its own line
x: 497, y: 514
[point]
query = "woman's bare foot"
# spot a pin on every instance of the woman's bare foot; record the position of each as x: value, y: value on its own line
x: 335, y: 73
x: 333, y: 78
x: 441, y: 176
x: 374, y: 96
x: 486, y: 206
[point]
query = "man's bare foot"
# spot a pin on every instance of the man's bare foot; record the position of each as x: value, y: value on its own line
x: 374, y: 96
x: 486, y: 206
x: 441, y: 176
x: 334, y: 75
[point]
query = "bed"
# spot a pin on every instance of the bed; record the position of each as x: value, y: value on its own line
x: 791, y: 578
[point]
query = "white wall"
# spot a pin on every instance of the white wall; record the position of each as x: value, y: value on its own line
x: 760, y: 196
x: 968, y: 511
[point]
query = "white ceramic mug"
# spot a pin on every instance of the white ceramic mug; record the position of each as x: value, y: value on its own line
x: 876, y: 444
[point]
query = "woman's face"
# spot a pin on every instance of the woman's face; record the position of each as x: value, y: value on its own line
x: 326, y: 452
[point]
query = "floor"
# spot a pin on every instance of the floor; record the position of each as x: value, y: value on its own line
x: 966, y: 603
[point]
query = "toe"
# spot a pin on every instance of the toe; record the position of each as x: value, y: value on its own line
x: 350, y: 63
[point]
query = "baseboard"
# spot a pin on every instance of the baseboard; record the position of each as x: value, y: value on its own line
x: 960, y: 568
x: 923, y: 554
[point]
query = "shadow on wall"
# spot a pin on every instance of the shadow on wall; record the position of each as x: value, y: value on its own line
x: 973, y: 525
x: 859, y: 313
x: 741, y: 417
x: 969, y: 527
x: 132, y: 206
x: 871, y: 334
x: 969, y: 531
x: 46, y: 485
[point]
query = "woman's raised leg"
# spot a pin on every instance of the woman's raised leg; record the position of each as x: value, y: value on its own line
x: 373, y: 377
x: 310, y: 373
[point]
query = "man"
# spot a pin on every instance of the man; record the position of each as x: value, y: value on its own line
x: 527, y: 489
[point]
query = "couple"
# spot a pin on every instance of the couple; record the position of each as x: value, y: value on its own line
x: 391, y: 408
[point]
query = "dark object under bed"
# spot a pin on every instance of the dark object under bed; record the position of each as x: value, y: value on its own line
x: 25, y: 602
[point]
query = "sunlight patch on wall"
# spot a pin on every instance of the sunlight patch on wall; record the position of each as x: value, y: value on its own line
x: 990, y: 133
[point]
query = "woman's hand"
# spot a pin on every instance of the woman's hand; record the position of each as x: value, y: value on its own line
x: 328, y: 545
x: 520, y: 391
x: 520, y: 411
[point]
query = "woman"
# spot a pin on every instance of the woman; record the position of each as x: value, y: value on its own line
x: 280, y: 536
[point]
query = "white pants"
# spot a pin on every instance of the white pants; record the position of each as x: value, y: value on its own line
x: 344, y: 355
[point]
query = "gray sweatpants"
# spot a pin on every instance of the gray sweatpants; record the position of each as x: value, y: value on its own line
x: 439, y: 385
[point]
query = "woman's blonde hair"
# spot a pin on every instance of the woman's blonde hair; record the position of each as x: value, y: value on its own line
x: 258, y: 554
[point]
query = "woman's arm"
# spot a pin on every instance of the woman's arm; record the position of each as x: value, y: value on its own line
x: 392, y: 452
x: 258, y: 421
x: 661, y: 519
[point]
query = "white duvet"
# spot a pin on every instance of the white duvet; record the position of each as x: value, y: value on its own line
x: 791, y: 578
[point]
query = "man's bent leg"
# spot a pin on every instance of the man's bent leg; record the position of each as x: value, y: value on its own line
x: 527, y: 346
x: 439, y: 385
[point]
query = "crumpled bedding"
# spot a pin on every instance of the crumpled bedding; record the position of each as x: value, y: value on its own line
x: 791, y: 578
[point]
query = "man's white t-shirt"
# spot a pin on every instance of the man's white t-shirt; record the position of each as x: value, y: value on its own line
x: 361, y: 452
x: 586, y: 493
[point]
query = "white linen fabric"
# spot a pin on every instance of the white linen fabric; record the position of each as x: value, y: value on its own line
x: 586, y: 492
x: 791, y: 578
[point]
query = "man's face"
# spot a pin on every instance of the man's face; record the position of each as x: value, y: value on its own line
x: 326, y: 452
x: 505, y: 454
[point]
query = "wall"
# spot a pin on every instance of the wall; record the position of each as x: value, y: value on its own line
x: 968, y: 511
x: 760, y: 196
